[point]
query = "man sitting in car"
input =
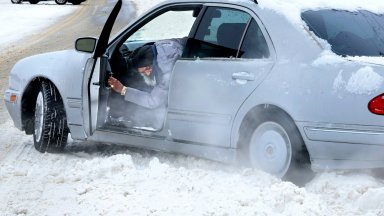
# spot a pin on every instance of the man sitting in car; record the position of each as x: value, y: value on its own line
x: 154, y: 63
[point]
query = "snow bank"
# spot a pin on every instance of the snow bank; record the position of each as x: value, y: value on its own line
x: 27, y: 18
x: 121, y: 181
x: 350, y: 191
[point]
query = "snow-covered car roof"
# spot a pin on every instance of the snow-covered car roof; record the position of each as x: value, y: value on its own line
x: 293, y: 8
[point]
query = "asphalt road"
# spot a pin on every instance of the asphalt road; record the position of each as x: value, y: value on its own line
x: 88, y: 20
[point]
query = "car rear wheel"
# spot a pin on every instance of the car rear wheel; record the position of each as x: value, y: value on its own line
x: 61, y: 2
x: 16, y: 1
x: 273, y: 144
x: 50, y: 122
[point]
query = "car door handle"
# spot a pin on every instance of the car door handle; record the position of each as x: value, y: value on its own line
x: 96, y: 83
x: 243, y: 76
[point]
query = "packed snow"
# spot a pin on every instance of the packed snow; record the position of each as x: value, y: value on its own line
x: 27, y: 18
x: 100, y: 179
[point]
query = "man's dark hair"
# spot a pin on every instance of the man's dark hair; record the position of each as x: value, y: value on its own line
x: 142, y: 57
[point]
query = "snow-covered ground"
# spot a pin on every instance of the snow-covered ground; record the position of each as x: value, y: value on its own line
x: 98, y: 179
x: 21, y: 20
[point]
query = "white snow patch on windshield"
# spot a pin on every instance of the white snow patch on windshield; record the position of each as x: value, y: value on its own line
x: 364, y: 81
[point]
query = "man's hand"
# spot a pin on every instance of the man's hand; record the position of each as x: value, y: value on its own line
x: 115, y: 84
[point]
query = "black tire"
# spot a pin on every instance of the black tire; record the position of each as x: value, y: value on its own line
x: 61, y: 2
x: 271, y: 142
x: 50, y: 121
x: 16, y: 1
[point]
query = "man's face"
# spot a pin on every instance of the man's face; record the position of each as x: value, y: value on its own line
x: 147, y: 70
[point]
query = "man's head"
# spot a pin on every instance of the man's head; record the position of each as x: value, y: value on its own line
x: 142, y: 60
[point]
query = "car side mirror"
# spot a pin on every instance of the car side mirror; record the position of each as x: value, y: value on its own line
x: 86, y: 44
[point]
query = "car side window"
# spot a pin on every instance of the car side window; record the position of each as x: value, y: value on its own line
x: 171, y: 24
x: 254, y: 44
x: 219, y: 34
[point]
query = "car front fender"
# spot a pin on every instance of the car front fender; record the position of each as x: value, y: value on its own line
x: 64, y: 69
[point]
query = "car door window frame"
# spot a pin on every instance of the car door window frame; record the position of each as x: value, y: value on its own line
x: 124, y: 35
x: 253, y: 16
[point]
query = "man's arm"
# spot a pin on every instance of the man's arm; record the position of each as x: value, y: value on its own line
x: 154, y: 99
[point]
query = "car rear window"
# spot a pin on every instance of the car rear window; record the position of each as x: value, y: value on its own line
x: 358, y: 33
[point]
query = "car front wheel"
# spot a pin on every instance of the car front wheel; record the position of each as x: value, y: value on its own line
x: 16, y: 1
x: 61, y: 2
x: 50, y: 122
x: 273, y: 144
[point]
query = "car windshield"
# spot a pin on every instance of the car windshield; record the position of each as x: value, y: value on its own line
x: 359, y: 33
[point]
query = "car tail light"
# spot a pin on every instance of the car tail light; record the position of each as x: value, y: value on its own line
x: 376, y: 105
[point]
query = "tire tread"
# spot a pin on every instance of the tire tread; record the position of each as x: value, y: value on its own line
x: 55, y: 131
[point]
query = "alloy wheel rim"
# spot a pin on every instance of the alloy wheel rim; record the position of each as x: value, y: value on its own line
x: 39, y: 117
x: 270, y: 149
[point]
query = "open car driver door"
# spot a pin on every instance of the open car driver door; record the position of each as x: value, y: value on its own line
x: 92, y: 80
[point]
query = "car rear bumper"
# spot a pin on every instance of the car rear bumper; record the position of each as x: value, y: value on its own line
x: 13, y: 106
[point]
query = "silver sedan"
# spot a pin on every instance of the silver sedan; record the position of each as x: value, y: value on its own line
x: 252, y: 86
